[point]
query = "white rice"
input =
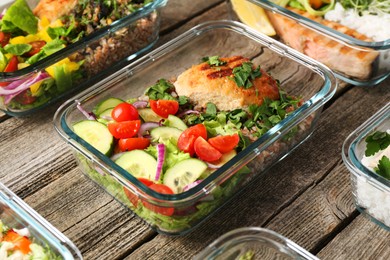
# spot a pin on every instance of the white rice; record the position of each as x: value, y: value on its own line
x: 373, y: 26
x: 376, y: 201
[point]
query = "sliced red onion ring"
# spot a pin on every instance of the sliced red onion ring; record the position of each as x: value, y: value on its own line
x: 213, y: 166
x: 16, y: 87
x: 160, y: 160
x: 89, y: 116
x: 191, y: 185
x: 116, y: 156
x: 140, y: 104
x: 188, y: 112
x: 146, y: 127
x: 106, y: 117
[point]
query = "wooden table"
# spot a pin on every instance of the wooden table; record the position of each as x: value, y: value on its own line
x: 306, y: 197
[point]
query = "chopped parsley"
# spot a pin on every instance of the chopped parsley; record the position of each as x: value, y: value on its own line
x: 376, y: 142
x: 163, y: 89
x: 383, y: 168
x: 213, y: 61
x: 244, y: 74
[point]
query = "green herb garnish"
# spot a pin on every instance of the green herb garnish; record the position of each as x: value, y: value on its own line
x: 213, y: 61
x: 163, y: 89
x: 243, y: 74
x: 383, y: 168
x: 376, y: 142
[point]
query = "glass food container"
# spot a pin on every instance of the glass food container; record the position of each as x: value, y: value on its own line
x: 253, y: 243
x: 371, y: 191
x: 297, y: 75
x: 353, y: 57
x: 41, y: 76
x: 16, y: 214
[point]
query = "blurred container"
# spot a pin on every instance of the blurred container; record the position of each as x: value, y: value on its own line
x: 297, y: 75
x: 100, y: 53
x: 253, y: 243
x: 16, y: 214
x: 371, y: 191
x: 356, y: 61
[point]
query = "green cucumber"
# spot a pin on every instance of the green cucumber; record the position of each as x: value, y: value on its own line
x: 106, y: 104
x: 183, y: 173
x: 176, y: 122
x: 164, y: 133
x: 96, y: 134
x: 148, y: 115
x: 138, y: 163
x: 104, y: 115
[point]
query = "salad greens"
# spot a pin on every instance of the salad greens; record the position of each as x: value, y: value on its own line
x: 376, y: 142
x: 19, y: 17
x: 244, y: 74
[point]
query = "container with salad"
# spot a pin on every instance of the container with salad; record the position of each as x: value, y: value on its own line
x: 174, y: 135
x: 351, y: 37
x: 253, y: 243
x: 51, y: 49
x: 366, y: 153
x: 24, y: 234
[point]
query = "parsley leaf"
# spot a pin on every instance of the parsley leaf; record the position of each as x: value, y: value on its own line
x: 160, y: 90
x: 376, y: 142
x: 213, y: 61
x: 243, y: 74
x: 383, y: 167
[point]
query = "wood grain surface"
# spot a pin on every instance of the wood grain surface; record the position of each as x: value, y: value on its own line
x: 306, y: 197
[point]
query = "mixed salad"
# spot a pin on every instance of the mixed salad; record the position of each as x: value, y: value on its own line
x: 26, y: 39
x: 171, y: 146
x: 18, y: 244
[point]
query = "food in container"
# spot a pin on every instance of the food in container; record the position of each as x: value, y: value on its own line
x: 198, y: 182
x: 253, y: 243
x: 24, y: 234
x: 50, y: 49
x: 351, y: 41
x: 366, y: 154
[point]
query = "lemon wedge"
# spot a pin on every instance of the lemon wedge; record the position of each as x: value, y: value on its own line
x: 253, y: 16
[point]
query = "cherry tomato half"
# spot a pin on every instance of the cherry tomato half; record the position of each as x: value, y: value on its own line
x: 21, y: 242
x: 4, y: 38
x: 12, y: 64
x: 164, y: 189
x: 187, y: 138
x: 124, y: 112
x: 224, y: 143
x: 164, y: 108
x: 205, y: 151
x: 133, y: 198
x: 128, y: 144
x: 25, y: 97
x: 125, y: 129
x: 36, y: 47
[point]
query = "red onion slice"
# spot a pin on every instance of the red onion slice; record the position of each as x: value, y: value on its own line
x: 89, y: 116
x: 160, y: 160
x: 191, y: 185
x: 188, y: 112
x: 146, y: 127
x: 213, y: 166
x: 140, y: 104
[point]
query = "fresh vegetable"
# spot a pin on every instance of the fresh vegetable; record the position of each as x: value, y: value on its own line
x: 139, y: 163
x: 129, y: 144
x: 160, y: 188
x: 164, y: 108
x: 125, y: 129
x: 187, y: 138
x: 206, y: 151
x: 377, y: 143
x: 224, y: 143
x: 124, y: 112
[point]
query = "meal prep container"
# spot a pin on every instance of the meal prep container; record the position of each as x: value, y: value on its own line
x: 377, y: 52
x: 371, y: 191
x: 103, y: 51
x: 297, y: 75
x: 253, y: 243
x: 15, y: 213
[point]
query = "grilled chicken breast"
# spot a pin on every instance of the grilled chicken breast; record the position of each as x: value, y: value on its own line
x: 337, y: 56
x: 53, y: 9
x: 204, y: 83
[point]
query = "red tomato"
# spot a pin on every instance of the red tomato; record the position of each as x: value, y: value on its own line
x: 124, y: 112
x: 22, y: 243
x: 128, y: 144
x: 187, y: 138
x: 205, y: 151
x: 25, y: 97
x: 164, y: 108
x: 4, y: 38
x: 12, y: 65
x: 160, y: 188
x: 36, y: 47
x: 224, y: 143
x: 125, y: 129
x: 131, y: 196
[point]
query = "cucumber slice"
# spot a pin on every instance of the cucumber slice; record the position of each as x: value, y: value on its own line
x: 176, y: 122
x: 224, y: 159
x: 106, y: 104
x: 148, y: 115
x: 107, y: 113
x: 96, y: 134
x: 183, y: 173
x: 164, y: 133
x: 138, y: 163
